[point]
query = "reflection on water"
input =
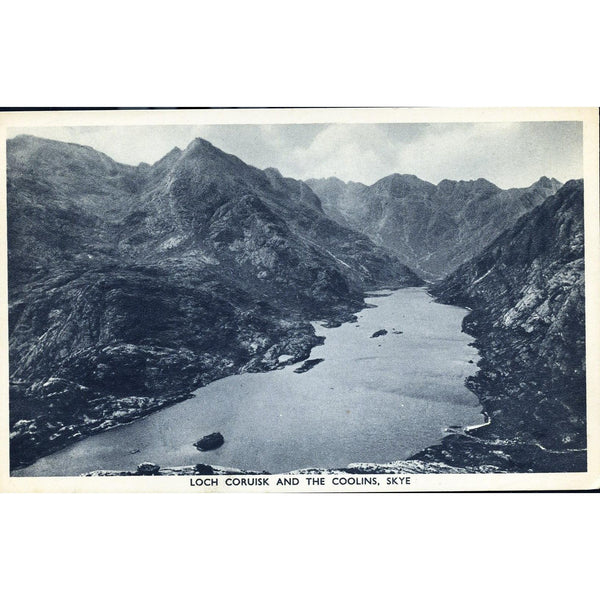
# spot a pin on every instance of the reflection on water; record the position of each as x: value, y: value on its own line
x: 369, y: 399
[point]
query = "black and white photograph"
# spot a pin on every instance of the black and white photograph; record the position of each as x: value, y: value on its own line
x: 299, y: 300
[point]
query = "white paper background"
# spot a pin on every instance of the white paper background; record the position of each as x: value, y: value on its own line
x: 299, y: 54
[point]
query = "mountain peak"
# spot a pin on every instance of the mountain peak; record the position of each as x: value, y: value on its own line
x: 402, y: 182
x: 546, y: 182
x: 202, y: 157
x: 482, y: 181
x: 403, y: 177
x: 327, y: 183
x: 53, y: 156
x: 26, y: 141
x: 200, y: 145
x: 274, y: 172
x: 202, y: 150
x: 481, y: 184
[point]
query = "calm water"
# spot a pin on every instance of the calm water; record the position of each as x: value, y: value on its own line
x: 371, y: 400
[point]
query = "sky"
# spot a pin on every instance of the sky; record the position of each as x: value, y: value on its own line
x: 510, y: 154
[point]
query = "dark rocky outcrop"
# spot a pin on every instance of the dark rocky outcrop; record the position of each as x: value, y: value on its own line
x: 527, y: 294
x: 129, y: 287
x: 379, y: 333
x: 147, y: 468
x: 202, y: 469
x: 212, y: 441
x: 432, y: 229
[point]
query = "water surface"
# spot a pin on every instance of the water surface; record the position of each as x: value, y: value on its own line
x: 369, y: 400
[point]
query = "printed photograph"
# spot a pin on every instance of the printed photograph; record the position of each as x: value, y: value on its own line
x: 311, y: 298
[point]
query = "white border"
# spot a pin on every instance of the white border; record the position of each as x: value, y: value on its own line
x: 467, y: 482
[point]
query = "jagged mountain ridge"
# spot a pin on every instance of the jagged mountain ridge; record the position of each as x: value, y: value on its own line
x: 527, y: 292
x: 163, y: 277
x: 131, y: 286
x: 432, y: 229
x: 177, y: 207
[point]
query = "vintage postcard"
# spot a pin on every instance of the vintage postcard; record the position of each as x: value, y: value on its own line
x: 283, y: 300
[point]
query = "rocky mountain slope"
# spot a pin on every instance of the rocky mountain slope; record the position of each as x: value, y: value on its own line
x: 131, y: 286
x: 432, y: 229
x: 528, y: 299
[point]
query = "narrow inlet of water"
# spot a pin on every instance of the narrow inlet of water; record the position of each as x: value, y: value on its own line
x: 370, y: 399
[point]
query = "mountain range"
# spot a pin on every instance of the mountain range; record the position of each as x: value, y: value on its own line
x: 131, y: 286
x: 431, y: 228
x: 527, y: 295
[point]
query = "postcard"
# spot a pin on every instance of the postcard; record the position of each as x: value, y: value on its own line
x: 299, y: 300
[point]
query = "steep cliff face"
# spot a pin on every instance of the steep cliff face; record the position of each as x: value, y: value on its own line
x: 528, y: 298
x: 432, y: 229
x: 131, y: 286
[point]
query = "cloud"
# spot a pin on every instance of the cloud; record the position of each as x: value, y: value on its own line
x: 509, y: 154
x: 356, y: 152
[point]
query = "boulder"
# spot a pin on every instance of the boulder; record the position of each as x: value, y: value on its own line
x: 210, y: 442
x: 148, y: 468
x: 201, y: 469
x: 379, y: 333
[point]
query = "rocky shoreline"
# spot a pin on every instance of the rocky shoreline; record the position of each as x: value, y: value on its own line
x: 498, y: 443
x: 446, y: 457
x: 529, y: 330
x: 487, y: 448
x: 528, y: 320
x: 397, y: 467
x: 130, y: 287
x: 36, y: 438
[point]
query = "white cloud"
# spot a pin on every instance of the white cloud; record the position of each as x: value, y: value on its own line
x: 509, y: 154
